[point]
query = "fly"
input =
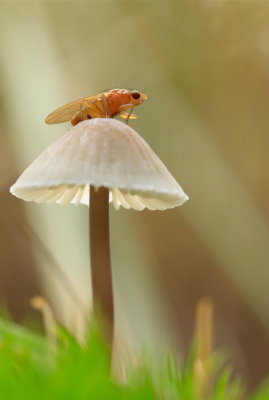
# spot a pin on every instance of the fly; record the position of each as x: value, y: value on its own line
x: 103, y: 105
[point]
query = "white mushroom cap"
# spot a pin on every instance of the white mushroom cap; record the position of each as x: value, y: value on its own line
x: 100, y: 152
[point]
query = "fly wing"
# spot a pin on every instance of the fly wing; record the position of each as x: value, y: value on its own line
x: 66, y: 112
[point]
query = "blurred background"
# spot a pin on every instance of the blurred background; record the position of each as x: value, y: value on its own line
x: 205, y: 68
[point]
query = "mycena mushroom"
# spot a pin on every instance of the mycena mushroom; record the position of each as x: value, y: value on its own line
x: 96, y: 162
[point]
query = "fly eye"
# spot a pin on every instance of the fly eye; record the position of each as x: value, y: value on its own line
x: 135, y: 95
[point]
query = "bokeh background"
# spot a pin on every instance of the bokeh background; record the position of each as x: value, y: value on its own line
x: 205, y: 68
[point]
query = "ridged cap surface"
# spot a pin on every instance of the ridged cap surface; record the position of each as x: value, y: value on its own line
x: 100, y: 152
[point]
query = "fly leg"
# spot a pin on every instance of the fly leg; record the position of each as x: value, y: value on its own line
x: 80, y: 116
x: 105, y: 106
x: 128, y: 115
x: 98, y: 107
x: 83, y: 114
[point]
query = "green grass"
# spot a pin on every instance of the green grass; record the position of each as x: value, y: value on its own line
x: 31, y: 368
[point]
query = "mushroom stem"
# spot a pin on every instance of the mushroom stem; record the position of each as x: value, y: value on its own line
x: 100, y: 260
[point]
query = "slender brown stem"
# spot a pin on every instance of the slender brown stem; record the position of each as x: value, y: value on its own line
x: 100, y: 260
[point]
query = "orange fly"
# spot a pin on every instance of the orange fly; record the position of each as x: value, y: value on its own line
x: 103, y: 105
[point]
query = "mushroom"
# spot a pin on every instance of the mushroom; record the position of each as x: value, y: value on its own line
x: 96, y: 162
